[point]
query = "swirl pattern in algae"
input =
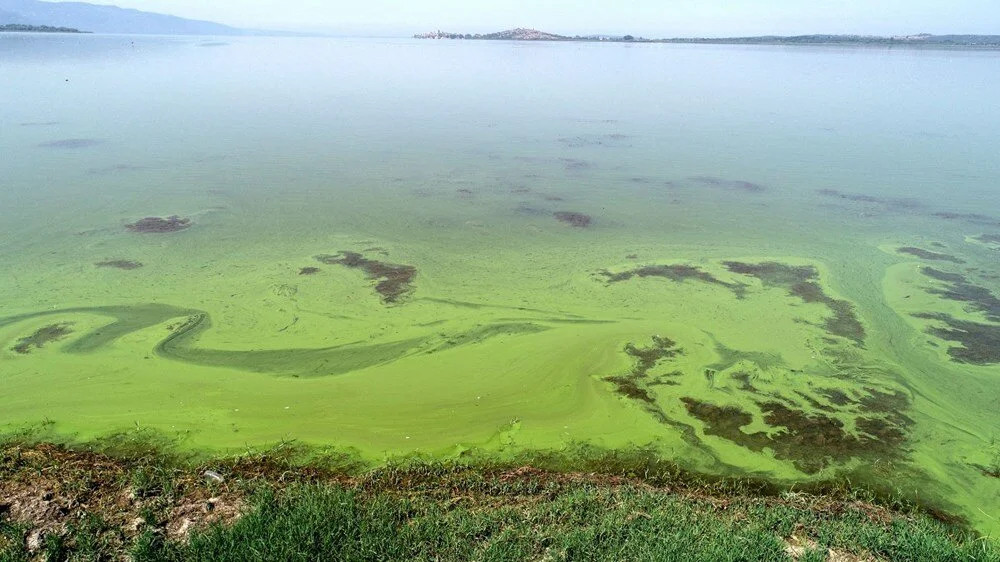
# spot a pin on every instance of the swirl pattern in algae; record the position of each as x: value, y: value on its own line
x: 732, y: 366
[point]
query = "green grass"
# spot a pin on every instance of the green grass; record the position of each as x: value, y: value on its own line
x: 314, y: 522
x: 583, y: 523
x: 11, y: 539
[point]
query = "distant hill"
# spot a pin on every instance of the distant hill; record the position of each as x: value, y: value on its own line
x: 921, y: 40
x: 105, y: 19
x: 519, y: 34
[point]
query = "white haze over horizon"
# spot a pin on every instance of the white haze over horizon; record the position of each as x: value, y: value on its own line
x: 649, y: 18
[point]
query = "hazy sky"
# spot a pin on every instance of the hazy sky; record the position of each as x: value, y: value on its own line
x: 653, y: 18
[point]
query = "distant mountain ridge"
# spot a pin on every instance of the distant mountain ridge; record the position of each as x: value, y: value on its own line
x: 105, y: 19
x: 923, y: 39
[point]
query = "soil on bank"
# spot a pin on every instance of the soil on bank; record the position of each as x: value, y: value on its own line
x: 57, y: 503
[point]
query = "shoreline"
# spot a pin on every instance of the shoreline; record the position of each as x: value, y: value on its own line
x: 20, y: 28
x: 976, y: 42
x: 60, y: 500
x: 898, y: 45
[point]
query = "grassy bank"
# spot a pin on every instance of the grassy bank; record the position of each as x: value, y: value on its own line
x: 58, y: 504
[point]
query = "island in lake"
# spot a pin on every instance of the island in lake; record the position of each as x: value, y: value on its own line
x: 920, y: 40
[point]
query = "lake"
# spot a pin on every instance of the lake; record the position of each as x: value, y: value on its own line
x: 781, y: 262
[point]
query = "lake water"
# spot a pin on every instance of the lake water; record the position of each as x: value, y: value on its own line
x: 774, y: 261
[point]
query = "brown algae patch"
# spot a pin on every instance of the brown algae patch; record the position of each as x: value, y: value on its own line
x: 70, y: 144
x: 959, y: 289
x: 159, y: 225
x: 803, y: 282
x: 634, y: 384
x: 614, y: 140
x: 394, y: 280
x: 980, y: 342
x: 43, y: 336
x: 731, y: 185
x: 745, y: 381
x: 861, y: 422
x: 875, y: 400
x: 988, y: 239
x: 838, y: 397
x: 637, y: 383
x: 973, y: 218
x: 127, y: 265
x: 929, y: 255
x: 532, y: 211
x: 575, y: 164
x: 811, y: 441
x: 729, y: 358
x: 674, y: 272
x: 891, y: 204
x: 813, y: 416
x: 576, y: 220
x: 895, y: 204
x: 115, y: 169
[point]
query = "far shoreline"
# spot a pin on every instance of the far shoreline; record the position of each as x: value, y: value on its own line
x: 20, y: 28
x: 921, y: 41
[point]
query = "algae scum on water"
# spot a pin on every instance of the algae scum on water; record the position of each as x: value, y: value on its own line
x: 776, y: 298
